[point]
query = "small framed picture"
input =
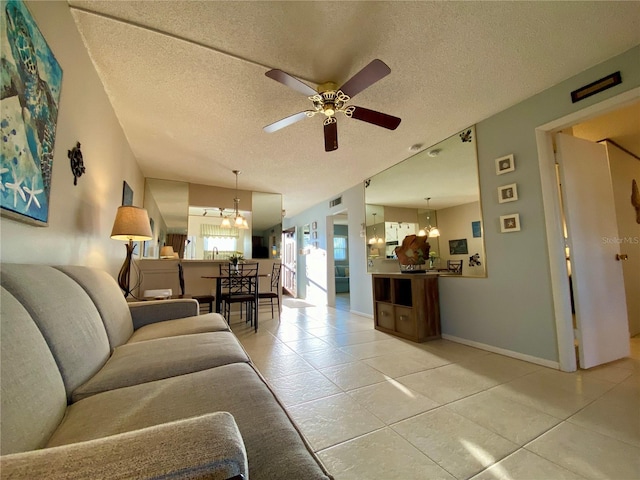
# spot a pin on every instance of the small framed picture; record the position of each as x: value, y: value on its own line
x: 508, y: 193
x: 458, y: 247
x: 314, y: 234
x: 510, y: 223
x: 476, y: 229
x: 127, y: 194
x: 314, y: 226
x: 505, y: 164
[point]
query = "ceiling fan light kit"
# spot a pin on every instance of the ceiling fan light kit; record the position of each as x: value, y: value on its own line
x: 329, y: 99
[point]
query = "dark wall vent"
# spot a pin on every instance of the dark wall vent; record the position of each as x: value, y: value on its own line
x: 335, y: 201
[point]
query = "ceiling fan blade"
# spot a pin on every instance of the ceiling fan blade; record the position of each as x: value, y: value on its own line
x: 330, y: 137
x: 285, y: 122
x: 366, y: 77
x: 291, y: 82
x: 377, y: 118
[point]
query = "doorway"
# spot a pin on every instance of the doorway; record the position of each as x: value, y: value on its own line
x: 619, y: 132
x: 555, y: 234
x: 341, y: 261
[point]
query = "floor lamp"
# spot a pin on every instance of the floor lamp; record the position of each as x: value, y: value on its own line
x: 131, y: 225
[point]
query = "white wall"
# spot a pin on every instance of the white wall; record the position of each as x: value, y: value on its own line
x: 623, y: 168
x: 80, y: 217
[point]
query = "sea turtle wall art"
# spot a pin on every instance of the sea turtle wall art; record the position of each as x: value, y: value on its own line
x: 30, y: 83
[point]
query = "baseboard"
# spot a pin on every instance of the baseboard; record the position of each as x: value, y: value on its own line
x: 502, y: 351
x: 362, y: 314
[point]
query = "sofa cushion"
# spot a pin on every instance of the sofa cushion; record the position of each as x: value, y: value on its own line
x: 154, y: 311
x: 275, y: 449
x: 32, y: 394
x: 141, y: 362
x: 108, y: 298
x: 208, y: 446
x: 211, y: 322
x: 66, y: 316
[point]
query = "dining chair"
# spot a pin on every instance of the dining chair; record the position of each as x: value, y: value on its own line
x: 239, y: 284
x: 454, y: 266
x: 203, y: 300
x: 274, y: 292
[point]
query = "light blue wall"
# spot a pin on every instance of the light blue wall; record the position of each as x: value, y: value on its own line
x: 512, y: 307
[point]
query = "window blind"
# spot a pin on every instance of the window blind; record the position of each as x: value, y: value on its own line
x: 209, y: 230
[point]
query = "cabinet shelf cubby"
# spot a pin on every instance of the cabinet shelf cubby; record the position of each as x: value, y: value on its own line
x: 407, y: 305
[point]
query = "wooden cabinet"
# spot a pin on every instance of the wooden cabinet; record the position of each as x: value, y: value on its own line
x: 407, y: 305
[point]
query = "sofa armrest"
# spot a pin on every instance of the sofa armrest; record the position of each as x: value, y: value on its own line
x: 209, y: 446
x: 144, y: 313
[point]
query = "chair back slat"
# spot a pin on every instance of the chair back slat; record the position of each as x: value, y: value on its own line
x: 241, y: 279
x: 240, y: 284
x: 275, y: 276
x: 454, y: 266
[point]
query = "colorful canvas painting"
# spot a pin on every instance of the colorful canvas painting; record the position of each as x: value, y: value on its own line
x: 29, y: 97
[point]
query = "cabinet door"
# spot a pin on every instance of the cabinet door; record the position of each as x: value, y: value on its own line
x: 405, y: 321
x: 384, y: 315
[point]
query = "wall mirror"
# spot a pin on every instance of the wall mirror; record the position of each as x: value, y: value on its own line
x: 434, y: 191
x: 189, y: 217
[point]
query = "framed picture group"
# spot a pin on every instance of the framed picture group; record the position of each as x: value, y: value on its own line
x: 507, y: 193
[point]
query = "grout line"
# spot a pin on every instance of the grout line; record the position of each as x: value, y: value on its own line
x: 438, y: 407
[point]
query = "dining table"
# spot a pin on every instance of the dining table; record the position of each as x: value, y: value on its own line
x: 217, y: 277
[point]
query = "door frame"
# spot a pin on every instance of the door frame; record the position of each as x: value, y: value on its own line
x: 553, y: 219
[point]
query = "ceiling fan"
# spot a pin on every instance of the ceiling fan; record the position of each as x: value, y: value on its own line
x: 328, y: 100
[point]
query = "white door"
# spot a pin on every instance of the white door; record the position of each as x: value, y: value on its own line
x: 596, y: 274
x: 289, y: 252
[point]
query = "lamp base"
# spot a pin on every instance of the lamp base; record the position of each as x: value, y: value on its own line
x: 124, y: 277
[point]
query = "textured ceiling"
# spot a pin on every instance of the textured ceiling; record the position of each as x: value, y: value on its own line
x: 186, y: 79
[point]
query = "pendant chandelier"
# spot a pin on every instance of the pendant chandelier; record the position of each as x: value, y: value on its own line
x: 225, y: 220
x: 375, y: 239
x: 429, y: 231
x: 238, y: 220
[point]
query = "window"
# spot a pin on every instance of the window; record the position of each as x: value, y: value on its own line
x: 340, y: 251
x: 218, y: 242
x: 223, y: 244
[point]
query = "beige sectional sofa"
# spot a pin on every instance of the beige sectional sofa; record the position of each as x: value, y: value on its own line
x: 95, y: 387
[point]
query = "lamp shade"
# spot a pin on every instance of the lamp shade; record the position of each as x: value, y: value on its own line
x: 131, y: 223
x: 167, y: 252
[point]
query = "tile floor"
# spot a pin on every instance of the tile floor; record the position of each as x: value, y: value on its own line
x: 377, y: 407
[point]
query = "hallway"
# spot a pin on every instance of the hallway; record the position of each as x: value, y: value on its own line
x: 343, y: 302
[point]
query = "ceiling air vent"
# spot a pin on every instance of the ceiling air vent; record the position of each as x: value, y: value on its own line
x: 335, y: 201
